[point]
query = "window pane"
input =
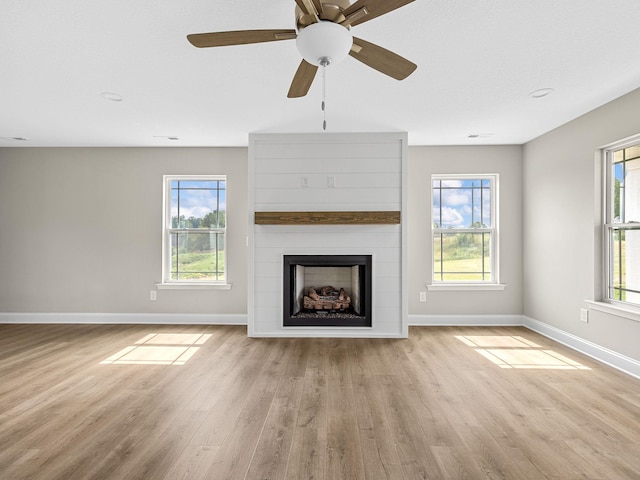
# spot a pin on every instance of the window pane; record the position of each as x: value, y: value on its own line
x: 630, y: 196
x: 632, y: 152
x: 221, y: 217
x: 435, y: 208
x: 625, y: 281
x: 198, y: 203
x: 626, y: 186
x: 617, y: 190
x: 462, y: 257
x: 462, y: 203
x: 197, y: 256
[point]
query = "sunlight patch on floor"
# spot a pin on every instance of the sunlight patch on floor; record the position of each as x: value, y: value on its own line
x: 159, y: 349
x: 507, y: 351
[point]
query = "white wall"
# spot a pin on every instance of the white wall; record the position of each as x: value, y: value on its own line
x: 81, y: 229
x: 369, y: 172
x: 425, y: 161
x: 562, y: 235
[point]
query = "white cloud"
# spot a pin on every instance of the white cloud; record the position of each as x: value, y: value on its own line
x: 452, y: 183
x: 197, y: 204
x: 456, y: 197
x: 451, y: 217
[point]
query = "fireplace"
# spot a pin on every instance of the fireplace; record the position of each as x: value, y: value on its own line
x: 327, y: 210
x: 327, y: 290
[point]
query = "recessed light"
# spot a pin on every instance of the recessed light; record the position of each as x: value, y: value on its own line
x: 541, y: 92
x: 15, y: 139
x: 111, y: 96
x: 480, y: 135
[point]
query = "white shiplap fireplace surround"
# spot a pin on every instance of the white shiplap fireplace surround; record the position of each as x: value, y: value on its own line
x: 328, y: 175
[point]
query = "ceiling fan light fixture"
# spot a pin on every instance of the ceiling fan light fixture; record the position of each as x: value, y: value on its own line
x: 324, y: 42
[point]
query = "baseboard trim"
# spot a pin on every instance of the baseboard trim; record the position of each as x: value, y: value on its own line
x: 465, y: 320
x: 616, y: 360
x: 125, y: 318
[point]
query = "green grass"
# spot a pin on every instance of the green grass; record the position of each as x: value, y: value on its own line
x: 619, y: 266
x: 471, y: 268
x: 461, y: 253
x: 198, y: 266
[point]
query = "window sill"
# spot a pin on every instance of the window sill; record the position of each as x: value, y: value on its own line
x: 193, y: 286
x: 625, y: 312
x: 466, y: 286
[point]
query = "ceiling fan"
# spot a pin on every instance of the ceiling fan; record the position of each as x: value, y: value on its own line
x: 323, y: 36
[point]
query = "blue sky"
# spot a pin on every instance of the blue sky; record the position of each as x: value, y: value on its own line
x: 456, y: 204
x: 197, y: 198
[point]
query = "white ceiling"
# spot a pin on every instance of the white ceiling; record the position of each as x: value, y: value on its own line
x: 478, y: 60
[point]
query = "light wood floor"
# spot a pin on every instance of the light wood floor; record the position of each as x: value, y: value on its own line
x: 448, y: 403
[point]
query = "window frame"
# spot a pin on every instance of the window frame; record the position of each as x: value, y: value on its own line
x: 168, y: 230
x: 493, y: 283
x: 610, y: 226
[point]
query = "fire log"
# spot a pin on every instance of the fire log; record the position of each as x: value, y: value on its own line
x: 313, y: 294
x: 328, y: 299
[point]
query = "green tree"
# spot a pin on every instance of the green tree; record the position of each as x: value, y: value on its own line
x: 177, y: 222
x: 214, y: 219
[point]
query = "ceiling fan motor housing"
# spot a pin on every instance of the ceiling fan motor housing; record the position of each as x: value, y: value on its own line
x: 324, y: 42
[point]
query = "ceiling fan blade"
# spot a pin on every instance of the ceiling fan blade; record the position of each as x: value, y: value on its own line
x: 302, y: 80
x: 375, y: 8
x: 382, y: 59
x: 303, y: 6
x: 309, y: 7
x: 240, y: 37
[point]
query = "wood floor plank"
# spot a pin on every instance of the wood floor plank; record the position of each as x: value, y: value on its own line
x: 231, y: 385
x: 379, y: 454
x: 408, y: 433
x: 272, y: 452
x: 448, y: 402
x: 344, y: 454
x: 307, y: 458
x: 193, y: 464
x: 239, y: 446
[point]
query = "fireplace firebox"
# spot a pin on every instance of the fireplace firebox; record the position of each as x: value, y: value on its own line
x: 327, y: 290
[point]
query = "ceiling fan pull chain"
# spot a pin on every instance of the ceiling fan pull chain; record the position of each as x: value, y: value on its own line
x: 324, y: 97
x: 324, y: 62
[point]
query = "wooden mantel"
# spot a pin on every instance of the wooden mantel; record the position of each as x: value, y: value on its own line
x: 328, y: 218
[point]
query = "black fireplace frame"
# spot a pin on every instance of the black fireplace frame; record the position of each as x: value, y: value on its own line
x: 364, y: 262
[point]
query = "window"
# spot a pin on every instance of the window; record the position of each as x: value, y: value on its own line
x: 195, y: 230
x: 464, y: 229
x: 622, y: 223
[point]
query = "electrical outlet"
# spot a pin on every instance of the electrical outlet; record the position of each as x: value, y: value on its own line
x: 331, y: 181
x: 153, y: 295
x: 423, y: 296
x: 304, y: 180
x: 584, y: 315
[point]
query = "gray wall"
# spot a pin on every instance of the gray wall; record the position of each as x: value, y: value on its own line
x: 562, y: 238
x: 81, y: 229
x: 504, y: 160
